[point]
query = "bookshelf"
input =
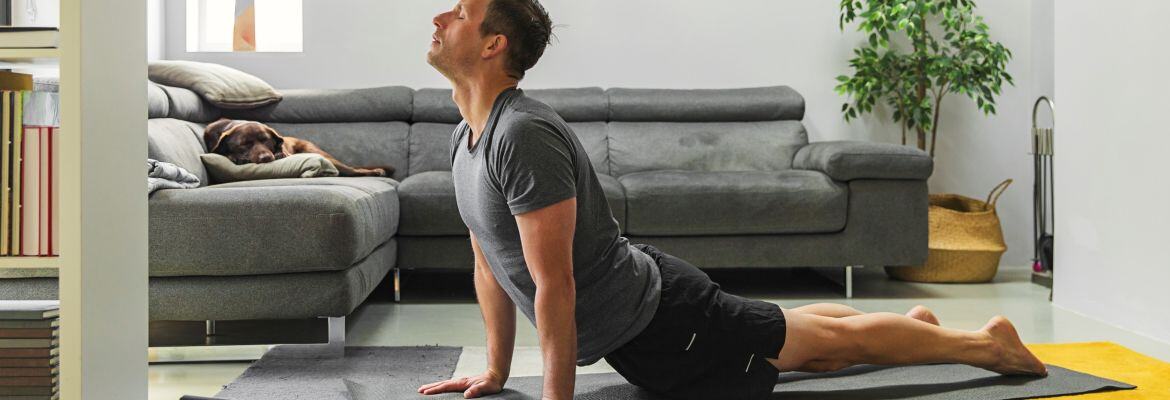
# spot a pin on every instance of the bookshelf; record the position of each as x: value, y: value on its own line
x: 102, y: 266
x: 30, y: 262
x: 26, y: 54
x: 35, y: 61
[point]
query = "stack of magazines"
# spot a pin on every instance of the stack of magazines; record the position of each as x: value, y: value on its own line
x: 28, y: 349
x: 28, y: 165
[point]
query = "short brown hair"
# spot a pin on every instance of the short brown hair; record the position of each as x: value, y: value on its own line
x: 526, y: 25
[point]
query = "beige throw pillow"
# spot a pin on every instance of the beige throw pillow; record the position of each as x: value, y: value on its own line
x: 220, y: 85
x: 301, y: 165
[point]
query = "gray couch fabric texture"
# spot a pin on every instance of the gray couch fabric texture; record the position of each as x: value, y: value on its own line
x: 846, y: 161
x: 380, y: 104
x: 777, y: 103
x: 270, y: 226
x: 725, y: 178
x: 730, y: 203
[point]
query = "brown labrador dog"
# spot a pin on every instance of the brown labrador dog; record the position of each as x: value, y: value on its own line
x: 246, y: 142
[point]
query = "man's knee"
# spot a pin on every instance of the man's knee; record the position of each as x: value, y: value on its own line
x: 828, y: 342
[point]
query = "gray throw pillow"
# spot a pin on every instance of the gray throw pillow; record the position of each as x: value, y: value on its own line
x: 300, y: 165
x: 220, y: 85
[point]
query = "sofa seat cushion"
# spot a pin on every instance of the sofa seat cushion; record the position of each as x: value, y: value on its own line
x: 677, y: 203
x: 429, y: 207
x: 270, y: 226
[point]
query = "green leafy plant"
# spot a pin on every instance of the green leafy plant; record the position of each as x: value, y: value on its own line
x: 917, y: 52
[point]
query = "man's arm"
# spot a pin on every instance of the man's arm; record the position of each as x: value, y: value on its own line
x: 546, y: 235
x: 499, y: 318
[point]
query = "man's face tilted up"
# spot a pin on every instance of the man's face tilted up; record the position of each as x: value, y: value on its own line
x: 458, y: 45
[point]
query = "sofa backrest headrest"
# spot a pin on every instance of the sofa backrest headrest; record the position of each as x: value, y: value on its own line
x: 379, y: 104
x: 172, y: 102
x: 775, y: 103
x: 574, y: 104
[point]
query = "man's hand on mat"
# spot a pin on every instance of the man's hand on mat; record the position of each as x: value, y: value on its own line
x: 483, y: 384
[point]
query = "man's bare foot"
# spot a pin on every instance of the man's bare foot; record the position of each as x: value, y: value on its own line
x: 1014, y: 358
x: 923, y: 314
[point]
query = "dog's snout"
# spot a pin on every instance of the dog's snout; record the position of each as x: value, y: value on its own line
x: 264, y: 158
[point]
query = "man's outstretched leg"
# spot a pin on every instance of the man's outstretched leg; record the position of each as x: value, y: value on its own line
x: 835, y: 310
x: 817, y: 343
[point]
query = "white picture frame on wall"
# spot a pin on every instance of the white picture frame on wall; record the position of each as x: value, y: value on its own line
x: 279, y: 25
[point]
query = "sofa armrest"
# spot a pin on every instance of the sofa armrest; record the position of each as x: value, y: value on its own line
x: 849, y: 160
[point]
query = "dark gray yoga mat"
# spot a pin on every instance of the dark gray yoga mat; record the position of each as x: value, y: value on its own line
x: 369, y: 373
x: 286, y: 373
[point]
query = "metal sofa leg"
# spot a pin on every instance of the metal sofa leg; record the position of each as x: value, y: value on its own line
x: 336, y: 344
x: 334, y: 348
x: 845, y: 279
x: 849, y: 282
x: 397, y: 287
x: 209, y: 327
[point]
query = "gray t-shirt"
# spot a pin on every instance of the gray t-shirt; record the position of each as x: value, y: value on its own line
x: 527, y: 159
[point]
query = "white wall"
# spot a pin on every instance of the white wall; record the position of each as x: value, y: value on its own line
x: 1112, y: 259
x: 679, y: 44
x: 1043, y: 78
x: 154, y: 28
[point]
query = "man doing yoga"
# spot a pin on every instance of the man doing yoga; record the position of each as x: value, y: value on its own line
x: 545, y: 242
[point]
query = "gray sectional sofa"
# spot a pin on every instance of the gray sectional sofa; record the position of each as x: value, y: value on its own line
x: 722, y: 178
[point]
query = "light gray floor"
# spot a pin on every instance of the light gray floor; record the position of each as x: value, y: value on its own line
x: 455, y: 321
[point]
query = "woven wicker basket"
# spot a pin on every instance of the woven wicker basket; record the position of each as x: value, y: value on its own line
x: 966, y: 241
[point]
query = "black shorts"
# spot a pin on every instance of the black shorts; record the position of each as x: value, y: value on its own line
x: 702, y: 343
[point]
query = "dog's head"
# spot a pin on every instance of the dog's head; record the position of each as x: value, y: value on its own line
x: 244, y: 142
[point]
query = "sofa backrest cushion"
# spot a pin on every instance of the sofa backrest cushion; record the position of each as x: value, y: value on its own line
x: 593, y: 137
x: 622, y: 130
x: 177, y: 142
x: 380, y: 104
x: 574, y: 105
x: 158, y: 105
x: 749, y: 129
x: 179, y: 104
x: 430, y: 146
x: 357, y: 144
x: 775, y: 103
x: 703, y: 146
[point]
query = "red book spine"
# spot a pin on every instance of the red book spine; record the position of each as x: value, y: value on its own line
x: 52, y: 190
x: 43, y: 210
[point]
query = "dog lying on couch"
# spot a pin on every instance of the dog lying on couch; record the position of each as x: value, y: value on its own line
x: 246, y: 142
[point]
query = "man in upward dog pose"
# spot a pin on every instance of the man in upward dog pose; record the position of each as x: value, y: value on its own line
x: 545, y: 242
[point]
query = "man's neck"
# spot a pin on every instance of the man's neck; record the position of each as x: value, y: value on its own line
x: 475, y: 99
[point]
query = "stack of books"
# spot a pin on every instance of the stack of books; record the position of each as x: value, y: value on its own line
x: 28, y: 350
x: 28, y: 165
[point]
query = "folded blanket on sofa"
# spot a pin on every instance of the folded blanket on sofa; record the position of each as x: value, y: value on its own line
x: 164, y: 175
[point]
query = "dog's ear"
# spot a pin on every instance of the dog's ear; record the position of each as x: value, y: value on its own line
x: 278, y: 151
x: 213, y: 134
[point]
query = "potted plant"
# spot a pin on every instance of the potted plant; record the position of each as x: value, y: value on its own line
x: 916, y: 53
